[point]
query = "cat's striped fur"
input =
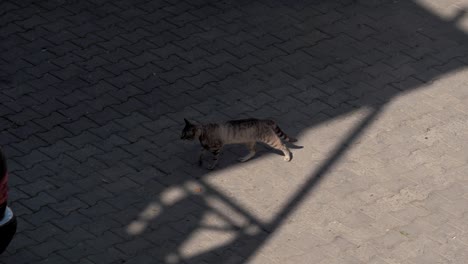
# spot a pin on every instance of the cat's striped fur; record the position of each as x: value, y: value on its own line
x: 247, y: 131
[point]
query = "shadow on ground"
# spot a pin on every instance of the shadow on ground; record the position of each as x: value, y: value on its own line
x: 134, y: 70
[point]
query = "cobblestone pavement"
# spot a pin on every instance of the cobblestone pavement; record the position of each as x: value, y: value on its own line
x: 93, y: 99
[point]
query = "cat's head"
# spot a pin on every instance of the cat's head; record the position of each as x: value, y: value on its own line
x: 190, y: 131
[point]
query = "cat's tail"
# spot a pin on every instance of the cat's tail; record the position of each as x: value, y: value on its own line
x: 282, y: 135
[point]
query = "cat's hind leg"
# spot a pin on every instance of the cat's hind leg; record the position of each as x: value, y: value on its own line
x: 252, y: 151
x: 279, y: 145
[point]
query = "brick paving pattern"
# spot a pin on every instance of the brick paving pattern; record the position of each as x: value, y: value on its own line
x: 93, y: 99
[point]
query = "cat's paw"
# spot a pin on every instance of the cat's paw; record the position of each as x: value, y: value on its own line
x: 287, y: 158
x: 244, y: 159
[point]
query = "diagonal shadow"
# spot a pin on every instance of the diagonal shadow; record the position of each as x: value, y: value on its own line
x: 312, y: 61
x: 216, y: 256
x: 245, y: 244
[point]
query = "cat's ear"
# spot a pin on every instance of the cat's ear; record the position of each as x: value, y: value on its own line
x: 187, y: 122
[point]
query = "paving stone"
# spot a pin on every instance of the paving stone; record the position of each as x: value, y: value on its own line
x: 26, y: 131
x: 109, y: 255
x: 67, y: 206
x: 53, y: 258
x: 20, y: 243
x: 77, y: 252
x: 113, y: 156
x: 43, y: 216
x: 42, y: 233
x: 136, y: 133
x: 134, y: 246
x: 65, y: 191
x: 69, y: 222
x: 105, y: 116
x: 38, y: 201
x: 111, y: 143
x: 52, y: 120
x: 20, y: 209
x: 142, y: 160
x: 23, y: 256
x: 17, y: 195
x: 84, y: 153
x: 31, y: 159
x: 122, y: 185
x: 82, y: 139
x: 99, y: 209
x: 74, y: 237
x: 106, y: 240
x: 141, y: 259
x: 25, y: 116
x: 56, y: 149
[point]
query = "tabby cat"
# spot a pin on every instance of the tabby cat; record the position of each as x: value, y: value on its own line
x: 246, y: 131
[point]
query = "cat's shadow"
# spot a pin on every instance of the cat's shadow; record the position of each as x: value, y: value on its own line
x: 231, y: 154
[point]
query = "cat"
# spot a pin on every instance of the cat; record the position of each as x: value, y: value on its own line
x: 214, y: 136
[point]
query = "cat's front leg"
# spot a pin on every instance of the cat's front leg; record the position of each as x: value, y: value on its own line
x: 200, y: 156
x: 216, y: 153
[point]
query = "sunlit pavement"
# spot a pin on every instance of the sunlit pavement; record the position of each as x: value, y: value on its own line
x: 93, y: 99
